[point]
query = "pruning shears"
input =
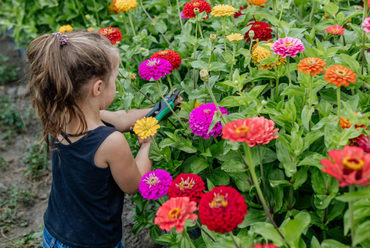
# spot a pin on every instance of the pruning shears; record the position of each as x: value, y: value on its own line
x: 161, y: 109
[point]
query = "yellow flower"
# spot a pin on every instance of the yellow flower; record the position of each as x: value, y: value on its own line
x: 65, y: 28
x: 146, y: 127
x: 326, y: 16
x: 92, y: 30
x: 223, y: 10
x: 126, y: 5
x: 197, y: 104
x: 235, y: 37
x: 261, y: 53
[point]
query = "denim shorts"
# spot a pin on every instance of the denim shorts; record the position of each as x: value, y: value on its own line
x: 50, y: 242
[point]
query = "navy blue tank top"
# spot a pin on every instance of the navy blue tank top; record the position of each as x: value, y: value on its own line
x: 85, y: 203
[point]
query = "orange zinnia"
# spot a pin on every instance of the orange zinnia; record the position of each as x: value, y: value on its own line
x: 257, y: 2
x: 340, y: 75
x: 311, y: 65
x: 344, y: 123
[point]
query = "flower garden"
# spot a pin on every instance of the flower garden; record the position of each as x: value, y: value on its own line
x: 271, y: 145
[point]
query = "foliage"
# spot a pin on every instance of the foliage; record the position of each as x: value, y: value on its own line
x: 8, y: 73
x: 37, y: 159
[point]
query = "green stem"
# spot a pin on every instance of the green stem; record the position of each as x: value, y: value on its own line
x: 311, y: 96
x: 210, y: 56
x: 232, y: 65
x: 156, y: 146
x: 259, y: 192
x: 132, y: 25
x: 200, y: 30
x: 224, y: 26
x: 96, y: 13
x: 83, y: 17
x: 185, y: 232
x: 214, y: 100
x: 125, y: 21
x: 173, y: 112
x: 277, y: 87
x: 179, y: 12
x: 169, y: 81
x: 232, y: 236
x: 338, y: 102
x: 201, y: 228
x: 263, y: 178
x: 288, y: 67
x: 366, y: 2
x: 250, y: 54
x: 311, y: 14
x: 350, y: 206
x: 195, y: 50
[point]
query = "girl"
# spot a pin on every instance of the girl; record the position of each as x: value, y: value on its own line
x: 72, y: 81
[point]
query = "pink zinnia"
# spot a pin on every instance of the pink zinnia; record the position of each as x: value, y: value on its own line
x: 155, y: 184
x: 174, y: 212
x: 364, y: 143
x: 287, y: 47
x: 154, y: 69
x: 351, y: 166
x: 264, y: 246
x: 254, y: 131
x: 366, y: 25
x: 335, y: 30
x: 201, y: 118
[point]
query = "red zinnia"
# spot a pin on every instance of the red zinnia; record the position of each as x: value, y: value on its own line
x: 189, y: 185
x: 264, y: 246
x: 350, y: 166
x: 113, y: 34
x: 262, y: 31
x: 239, y: 13
x: 169, y: 55
x: 222, y: 209
x: 200, y: 4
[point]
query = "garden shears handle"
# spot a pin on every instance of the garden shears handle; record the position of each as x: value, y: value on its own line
x: 161, y: 109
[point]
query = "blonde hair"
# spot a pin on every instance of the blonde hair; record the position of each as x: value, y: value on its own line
x: 58, y: 74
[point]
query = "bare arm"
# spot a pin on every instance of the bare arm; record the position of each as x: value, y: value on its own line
x: 126, y: 171
x: 122, y: 120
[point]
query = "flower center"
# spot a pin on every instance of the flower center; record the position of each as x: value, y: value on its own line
x: 311, y: 62
x: 288, y: 44
x: 152, y: 62
x: 353, y: 163
x: 242, y: 129
x: 196, y: 4
x: 256, y: 25
x: 340, y: 73
x: 163, y: 52
x: 108, y: 31
x: 174, y: 213
x: 219, y: 201
x: 187, y: 184
x: 151, y: 180
x: 206, y: 111
x: 335, y: 30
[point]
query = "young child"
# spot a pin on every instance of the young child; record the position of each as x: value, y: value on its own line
x: 72, y: 82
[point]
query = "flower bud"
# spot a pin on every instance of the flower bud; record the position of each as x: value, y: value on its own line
x: 204, y: 75
x: 251, y: 34
x: 132, y: 76
x: 87, y: 17
x: 196, y: 11
x: 264, y: 102
x: 213, y: 38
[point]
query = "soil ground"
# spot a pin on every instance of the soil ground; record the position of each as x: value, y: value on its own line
x: 23, y: 200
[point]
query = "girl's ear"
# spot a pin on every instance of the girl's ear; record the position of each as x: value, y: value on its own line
x: 97, y: 88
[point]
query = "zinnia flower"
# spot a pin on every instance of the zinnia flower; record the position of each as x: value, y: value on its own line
x: 223, y: 10
x: 288, y: 47
x: 366, y: 25
x: 350, y: 166
x: 125, y: 5
x: 154, y: 184
x: 334, y: 30
x: 262, y: 31
x: 260, y: 53
x: 200, y: 4
x: 344, y: 123
x: 222, y: 209
x: 183, y: 16
x: 201, y: 118
x: 115, y: 9
x: 174, y: 213
x: 234, y: 37
x: 257, y: 2
x: 169, y: 55
x: 113, y: 34
x: 311, y: 65
x: 65, y: 28
x: 154, y: 69
x: 254, y: 131
x: 146, y: 127
x: 364, y: 143
x: 189, y: 185
x: 340, y: 75
x: 264, y: 246
x: 238, y: 13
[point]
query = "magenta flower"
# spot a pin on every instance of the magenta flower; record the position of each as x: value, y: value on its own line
x: 154, y: 69
x: 183, y: 16
x: 287, y: 47
x: 201, y: 118
x: 364, y: 143
x: 366, y: 25
x: 155, y: 184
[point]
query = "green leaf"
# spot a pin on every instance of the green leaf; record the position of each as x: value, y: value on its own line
x: 199, y: 165
x: 354, y: 196
x: 267, y: 231
x: 235, y: 101
x: 253, y: 216
x: 295, y: 227
x: 362, y: 233
x: 160, y: 27
x: 320, y: 182
x: 300, y: 177
x: 331, y: 9
x: 210, y: 185
x: 324, y: 108
x: 293, y: 90
x: 306, y: 116
x: 218, y: 66
x: 313, y: 160
x: 315, y: 243
x: 208, y: 240
x: 216, y: 118
x: 233, y: 165
x: 199, y: 64
x: 331, y: 243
